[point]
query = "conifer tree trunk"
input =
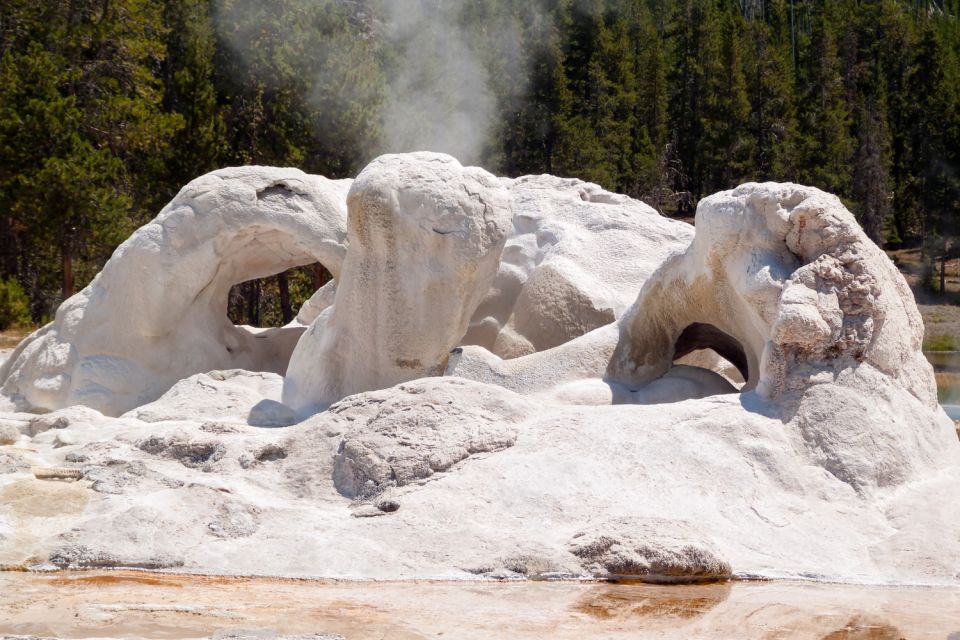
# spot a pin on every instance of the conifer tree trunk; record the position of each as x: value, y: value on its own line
x: 943, y: 270
x: 253, y: 303
x: 67, y: 262
x: 286, y: 310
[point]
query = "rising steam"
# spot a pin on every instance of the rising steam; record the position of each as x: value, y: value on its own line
x: 439, y: 95
x: 442, y: 74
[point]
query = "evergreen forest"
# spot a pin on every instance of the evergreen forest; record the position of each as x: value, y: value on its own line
x: 108, y: 107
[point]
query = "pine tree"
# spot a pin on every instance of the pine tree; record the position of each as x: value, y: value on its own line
x: 189, y: 90
x: 770, y: 84
x: 581, y: 148
x: 651, y: 125
x: 871, y: 182
x: 81, y: 119
x: 826, y: 144
x: 726, y: 150
x: 932, y: 183
x: 302, y: 83
x: 689, y: 33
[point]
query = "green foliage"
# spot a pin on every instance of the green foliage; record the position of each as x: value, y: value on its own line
x: 81, y: 129
x: 14, y: 305
x: 941, y: 342
x: 108, y: 108
x: 301, y: 83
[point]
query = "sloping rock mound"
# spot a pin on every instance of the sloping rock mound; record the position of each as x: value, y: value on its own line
x: 157, y: 311
x: 234, y: 396
x: 228, y: 498
x: 418, y: 429
x: 649, y: 550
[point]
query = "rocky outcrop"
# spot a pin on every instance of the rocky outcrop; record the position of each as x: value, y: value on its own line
x: 779, y: 280
x: 157, y: 312
x: 574, y: 261
x: 604, y: 455
x: 9, y: 434
x: 418, y: 429
x: 425, y: 239
x: 787, y: 273
x: 234, y: 396
x: 649, y: 550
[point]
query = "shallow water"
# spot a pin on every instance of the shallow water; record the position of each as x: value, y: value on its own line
x: 140, y: 604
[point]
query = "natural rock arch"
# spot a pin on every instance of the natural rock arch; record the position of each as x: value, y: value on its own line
x: 157, y: 311
x: 786, y: 272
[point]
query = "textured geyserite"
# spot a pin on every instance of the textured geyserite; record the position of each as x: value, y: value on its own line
x: 816, y: 449
x: 157, y: 312
x: 425, y: 237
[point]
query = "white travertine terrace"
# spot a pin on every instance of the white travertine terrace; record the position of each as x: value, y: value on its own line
x: 566, y: 434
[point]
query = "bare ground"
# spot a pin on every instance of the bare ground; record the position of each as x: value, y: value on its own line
x: 9, y: 339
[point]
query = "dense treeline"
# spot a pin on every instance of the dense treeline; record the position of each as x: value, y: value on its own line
x: 107, y: 107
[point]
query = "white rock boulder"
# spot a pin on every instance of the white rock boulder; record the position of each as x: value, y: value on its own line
x: 650, y: 550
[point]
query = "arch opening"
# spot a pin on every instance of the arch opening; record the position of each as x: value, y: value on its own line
x: 263, y: 315
x: 699, y: 335
x: 273, y: 301
x: 261, y: 279
x: 707, y: 347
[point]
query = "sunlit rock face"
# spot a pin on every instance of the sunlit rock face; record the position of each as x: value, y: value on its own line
x: 425, y: 238
x: 788, y: 273
x: 569, y: 434
x: 573, y: 263
x: 157, y: 311
x: 828, y: 327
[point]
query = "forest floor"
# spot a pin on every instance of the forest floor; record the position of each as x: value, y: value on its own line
x: 940, y: 311
x: 9, y: 339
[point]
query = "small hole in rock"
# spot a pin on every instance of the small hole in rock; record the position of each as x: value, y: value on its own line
x: 388, y: 506
x: 271, y: 453
x: 702, y: 343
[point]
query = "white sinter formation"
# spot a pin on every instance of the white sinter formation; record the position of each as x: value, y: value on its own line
x: 570, y: 436
x: 574, y: 262
x: 157, y: 311
x: 425, y: 238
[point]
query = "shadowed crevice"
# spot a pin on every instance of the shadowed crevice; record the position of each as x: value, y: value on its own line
x: 699, y: 335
